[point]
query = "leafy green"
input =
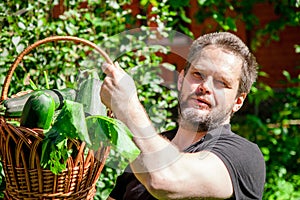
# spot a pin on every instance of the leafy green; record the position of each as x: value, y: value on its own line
x: 70, y: 121
x: 106, y: 129
x: 69, y: 124
x: 94, y: 130
x: 2, y: 109
x: 55, y: 152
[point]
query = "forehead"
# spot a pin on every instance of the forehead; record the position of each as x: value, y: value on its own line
x: 218, y: 60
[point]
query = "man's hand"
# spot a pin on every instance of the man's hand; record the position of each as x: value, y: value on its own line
x: 118, y: 91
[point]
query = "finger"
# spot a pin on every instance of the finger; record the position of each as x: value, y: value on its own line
x: 108, y: 69
x: 117, y: 64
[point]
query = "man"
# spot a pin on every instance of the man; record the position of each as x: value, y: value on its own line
x: 202, y: 159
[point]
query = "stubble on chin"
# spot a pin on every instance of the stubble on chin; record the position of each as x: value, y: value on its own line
x: 193, y: 119
x: 189, y: 120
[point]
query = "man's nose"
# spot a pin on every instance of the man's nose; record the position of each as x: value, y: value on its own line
x: 205, y: 87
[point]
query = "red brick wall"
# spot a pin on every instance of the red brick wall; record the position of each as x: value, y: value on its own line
x: 273, y: 57
x: 277, y: 55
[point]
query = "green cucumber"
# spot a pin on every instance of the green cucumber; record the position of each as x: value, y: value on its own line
x: 14, y: 106
x: 38, y: 111
x: 89, y: 95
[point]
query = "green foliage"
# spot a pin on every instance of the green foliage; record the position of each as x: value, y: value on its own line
x: 274, y: 126
x: 273, y: 118
x: 167, y: 15
x: 226, y: 15
x: 25, y: 22
x: 67, y: 125
x: 217, y: 10
x: 113, y: 130
x: 288, y: 15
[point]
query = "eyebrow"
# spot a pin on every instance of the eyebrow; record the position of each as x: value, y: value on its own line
x: 219, y: 76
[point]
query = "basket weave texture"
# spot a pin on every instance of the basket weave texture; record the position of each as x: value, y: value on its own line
x: 20, y: 152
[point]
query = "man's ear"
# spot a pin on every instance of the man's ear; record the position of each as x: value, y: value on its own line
x: 180, y: 80
x: 239, y: 102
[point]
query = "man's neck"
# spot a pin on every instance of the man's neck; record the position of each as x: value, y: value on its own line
x: 184, y: 137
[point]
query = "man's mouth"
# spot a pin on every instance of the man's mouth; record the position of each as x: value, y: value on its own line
x: 201, y: 102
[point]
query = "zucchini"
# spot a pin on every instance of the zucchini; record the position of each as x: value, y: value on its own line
x: 38, y: 111
x: 14, y: 106
x: 89, y: 95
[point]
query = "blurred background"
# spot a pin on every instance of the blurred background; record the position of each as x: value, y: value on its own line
x: 150, y: 39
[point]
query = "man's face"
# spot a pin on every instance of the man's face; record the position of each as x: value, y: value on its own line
x: 208, y: 91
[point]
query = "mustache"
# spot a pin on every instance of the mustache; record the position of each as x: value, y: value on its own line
x: 195, y: 95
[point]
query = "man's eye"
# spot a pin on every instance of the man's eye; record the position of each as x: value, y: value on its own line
x: 221, y: 83
x: 199, y: 75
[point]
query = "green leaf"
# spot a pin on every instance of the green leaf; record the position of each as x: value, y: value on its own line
x: 55, y: 152
x: 21, y: 25
x: 32, y: 85
x: 20, y: 48
x: 179, y: 4
x: 70, y: 121
x: 169, y: 66
x: 16, y: 40
x: 144, y: 2
x: 287, y: 75
x: 106, y: 129
x: 201, y: 2
x: 47, y: 81
x: 297, y: 48
x: 183, y: 16
x: 231, y: 23
x: 263, y: 74
x: 88, y: 94
x: 98, y: 131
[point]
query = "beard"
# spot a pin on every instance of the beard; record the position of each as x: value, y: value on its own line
x: 192, y: 118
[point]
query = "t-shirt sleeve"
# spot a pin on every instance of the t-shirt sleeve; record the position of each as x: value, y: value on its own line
x: 245, y: 165
x: 119, y: 189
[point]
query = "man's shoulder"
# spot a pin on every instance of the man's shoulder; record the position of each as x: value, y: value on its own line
x: 244, y: 162
x: 224, y: 133
x: 227, y: 143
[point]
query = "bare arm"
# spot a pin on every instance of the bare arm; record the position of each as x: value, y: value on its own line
x: 166, y: 172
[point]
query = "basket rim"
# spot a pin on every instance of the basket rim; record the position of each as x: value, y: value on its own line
x: 20, y: 57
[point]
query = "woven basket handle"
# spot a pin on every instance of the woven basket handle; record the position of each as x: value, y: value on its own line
x: 40, y: 42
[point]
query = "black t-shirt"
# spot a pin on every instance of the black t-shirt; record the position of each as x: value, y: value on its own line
x: 242, y: 158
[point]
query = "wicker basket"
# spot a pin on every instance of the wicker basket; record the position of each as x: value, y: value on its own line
x: 20, y: 150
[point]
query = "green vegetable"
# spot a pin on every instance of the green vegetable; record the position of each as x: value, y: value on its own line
x: 14, y: 106
x: 61, y: 95
x: 38, y: 111
x: 89, y: 95
x: 113, y: 131
x: 69, y: 124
